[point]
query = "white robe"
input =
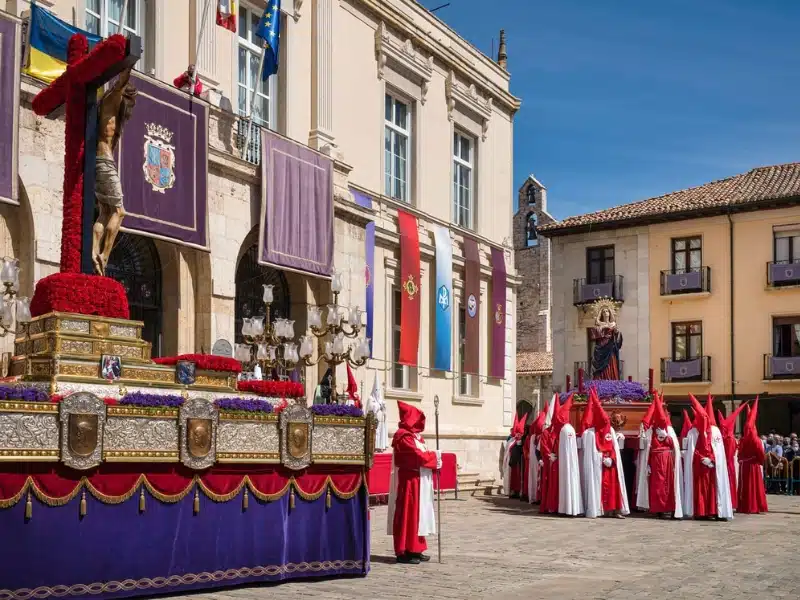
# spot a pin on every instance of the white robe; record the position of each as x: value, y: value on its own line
x: 570, y: 501
x: 593, y: 474
x: 724, y: 507
x: 427, y: 517
x: 505, y: 469
x: 643, y: 477
x: 377, y: 406
x: 533, y: 469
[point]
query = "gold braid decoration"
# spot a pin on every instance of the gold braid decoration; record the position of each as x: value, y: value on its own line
x: 268, y: 497
x: 222, y: 497
x: 168, y: 498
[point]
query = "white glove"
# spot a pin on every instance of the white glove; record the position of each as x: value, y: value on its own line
x: 541, y: 463
x: 553, y: 458
x: 438, y: 459
x: 707, y: 462
x: 648, y: 470
x: 661, y: 435
x: 607, y: 462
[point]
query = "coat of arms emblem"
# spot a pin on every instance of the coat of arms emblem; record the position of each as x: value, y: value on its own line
x: 159, y: 157
x: 472, y: 306
x: 498, y: 315
x: 410, y: 287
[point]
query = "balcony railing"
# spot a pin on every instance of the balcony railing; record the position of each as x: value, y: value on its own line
x: 781, y: 367
x: 685, y: 281
x: 252, y: 153
x: 782, y: 273
x: 584, y: 292
x: 587, y: 371
x: 680, y: 371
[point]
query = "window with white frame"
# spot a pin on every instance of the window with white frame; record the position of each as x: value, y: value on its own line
x: 249, y: 48
x: 463, y: 180
x: 103, y: 17
x: 403, y: 376
x: 397, y: 142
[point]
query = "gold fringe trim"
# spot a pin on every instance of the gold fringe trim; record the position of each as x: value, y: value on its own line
x: 328, y: 499
x: 142, y: 483
x: 245, y: 500
x: 291, y: 499
x: 196, y: 501
x: 28, y: 507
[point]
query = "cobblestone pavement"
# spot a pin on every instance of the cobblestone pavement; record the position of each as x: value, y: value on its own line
x: 497, y: 548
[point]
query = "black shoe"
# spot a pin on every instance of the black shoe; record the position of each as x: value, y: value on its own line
x: 408, y: 559
x: 421, y: 557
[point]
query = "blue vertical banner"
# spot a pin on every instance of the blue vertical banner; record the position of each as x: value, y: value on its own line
x: 443, y: 299
x: 369, y: 271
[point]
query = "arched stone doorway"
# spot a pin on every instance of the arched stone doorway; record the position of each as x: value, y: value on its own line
x: 250, y: 279
x: 134, y: 262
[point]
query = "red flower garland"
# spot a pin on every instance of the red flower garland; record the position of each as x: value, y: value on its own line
x: 82, y: 294
x: 204, y: 362
x: 273, y: 389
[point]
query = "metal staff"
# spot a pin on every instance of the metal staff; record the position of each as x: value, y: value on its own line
x: 439, y: 487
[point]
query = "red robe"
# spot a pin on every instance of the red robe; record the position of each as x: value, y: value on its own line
x: 752, y: 495
x: 661, y: 487
x: 548, y: 476
x: 184, y: 81
x: 408, y: 459
x: 705, y: 479
x: 611, y: 494
x: 526, y: 450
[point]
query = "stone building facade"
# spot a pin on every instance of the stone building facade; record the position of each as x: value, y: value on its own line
x: 386, y: 51
x: 532, y: 259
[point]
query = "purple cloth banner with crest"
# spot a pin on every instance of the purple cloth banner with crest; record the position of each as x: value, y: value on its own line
x: 163, y: 164
x: 497, y: 314
x: 296, y: 208
x: 9, y: 106
x: 369, y: 271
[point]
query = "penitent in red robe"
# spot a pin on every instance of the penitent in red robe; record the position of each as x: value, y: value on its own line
x: 408, y: 459
x: 661, y: 488
x: 752, y: 495
x: 548, y: 477
x: 705, y: 479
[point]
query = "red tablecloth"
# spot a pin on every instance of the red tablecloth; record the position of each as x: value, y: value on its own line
x: 378, y: 476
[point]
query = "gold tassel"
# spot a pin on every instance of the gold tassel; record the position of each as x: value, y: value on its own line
x: 245, y: 500
x: 291, y: 499
x: 328, y: 499
x: 83, y: 504
x: 28, y: 507
x: 141, y: 501
x: 196, y: 501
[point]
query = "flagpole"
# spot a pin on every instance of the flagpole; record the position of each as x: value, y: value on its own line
x: 439, y: 478
x: 253, y: 99
x: 122, y: 16
x: 199, y: 39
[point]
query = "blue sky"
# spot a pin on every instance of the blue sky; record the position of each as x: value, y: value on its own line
x: 624, y: 100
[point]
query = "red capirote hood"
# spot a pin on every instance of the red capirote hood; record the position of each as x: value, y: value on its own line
x: 411, y: 418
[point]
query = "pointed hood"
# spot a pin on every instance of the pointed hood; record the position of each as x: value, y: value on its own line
x: 587, y: 420
x: 727, y: 425
x: 712, y: 422
x: 752, y: 416
x: 548, y: 420
x: 700, y: 414
x: 411, y: 418
x: 660, y: 417
x: 647, y: 420
x: 561, y: 414
x: 687, y: 424
x: 518, y: 429
x: 537, y: 426
x: 352, y: 386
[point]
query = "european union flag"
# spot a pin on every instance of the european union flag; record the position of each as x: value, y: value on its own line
x: 269, y: 30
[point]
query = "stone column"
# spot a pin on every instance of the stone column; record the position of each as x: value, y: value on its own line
x: 321, y: 135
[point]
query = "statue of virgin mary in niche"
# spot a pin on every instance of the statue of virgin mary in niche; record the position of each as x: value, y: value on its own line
x: 607, y: 343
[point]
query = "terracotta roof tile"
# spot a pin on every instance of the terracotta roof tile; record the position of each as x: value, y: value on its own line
x: 534, y: 362
x: 758, y: 185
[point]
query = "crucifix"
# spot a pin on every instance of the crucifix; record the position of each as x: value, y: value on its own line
x: 77, y: 88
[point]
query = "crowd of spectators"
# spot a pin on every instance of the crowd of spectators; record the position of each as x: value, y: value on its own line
x: 785, y: 446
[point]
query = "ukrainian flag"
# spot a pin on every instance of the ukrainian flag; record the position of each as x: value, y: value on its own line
x: 47, y: 54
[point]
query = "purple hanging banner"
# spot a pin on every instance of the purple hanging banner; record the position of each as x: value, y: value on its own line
x: 369, y: 271
x: 9, y: 106
x: 163, y: 164
x: 296, y: 207
x: 498, y: 314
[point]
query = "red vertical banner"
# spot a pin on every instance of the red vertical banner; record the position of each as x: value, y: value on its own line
x: 472, y: 306
x: 409, y: 288
x: 498, y: 314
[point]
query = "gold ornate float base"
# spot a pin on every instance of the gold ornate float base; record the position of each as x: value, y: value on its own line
x: 69, y: 347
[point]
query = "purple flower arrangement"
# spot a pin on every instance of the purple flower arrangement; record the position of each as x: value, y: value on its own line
x: 26, y: 394
x: 249, y: 405
x: 336, y: 410
x: 621, y: 392
x: 151, y: 400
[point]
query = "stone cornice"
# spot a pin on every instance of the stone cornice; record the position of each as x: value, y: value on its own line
x: 387, y: 48
x: 453, y: 60
x: 467, y: 97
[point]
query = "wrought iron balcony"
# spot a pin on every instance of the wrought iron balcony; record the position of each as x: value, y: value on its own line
x: 680, y: 371
x: 587, y: 371
x: 586, y: 292
x: 783, y: 273
x: 781, y: 367
x: 685, y: 281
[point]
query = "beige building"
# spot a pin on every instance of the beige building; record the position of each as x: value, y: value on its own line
x: 400, y: 102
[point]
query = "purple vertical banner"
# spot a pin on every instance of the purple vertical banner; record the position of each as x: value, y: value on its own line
x: 296, y: 208
x: 163, y: 164
x: 498, y: 314
x: 9, y: 106
x: 369, y: 271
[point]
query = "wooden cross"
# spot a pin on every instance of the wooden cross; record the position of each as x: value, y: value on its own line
x: 77, y: 88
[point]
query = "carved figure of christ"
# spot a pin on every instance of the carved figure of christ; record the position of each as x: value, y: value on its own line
x: 77, y: 88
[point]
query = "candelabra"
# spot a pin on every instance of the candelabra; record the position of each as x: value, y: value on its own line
x: 267, y: 344
x: 15, y: 309
x: 341, y: 323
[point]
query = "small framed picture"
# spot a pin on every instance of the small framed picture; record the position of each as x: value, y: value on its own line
x: 185, y: 372
x: 110, y: 367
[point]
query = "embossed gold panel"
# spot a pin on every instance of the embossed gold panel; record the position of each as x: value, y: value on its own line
x: 298, y: 440
x: 199, y: 436
x: 82, y: 434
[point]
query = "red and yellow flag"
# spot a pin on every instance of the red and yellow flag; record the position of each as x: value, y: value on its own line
x: 226, y: 14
